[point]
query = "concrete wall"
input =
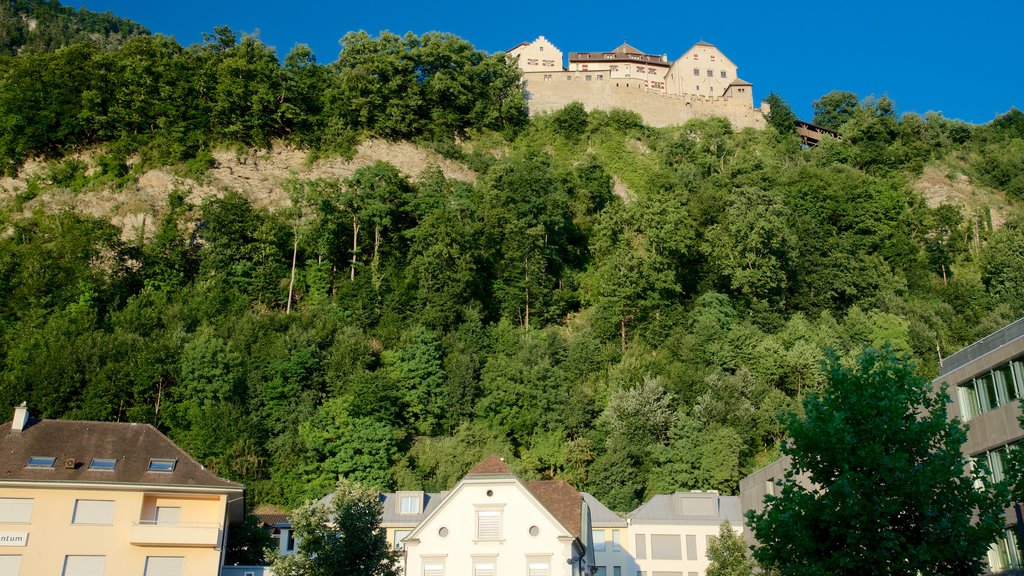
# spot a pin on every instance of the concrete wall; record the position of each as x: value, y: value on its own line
x: 52, y: 536
x: 552, y: 91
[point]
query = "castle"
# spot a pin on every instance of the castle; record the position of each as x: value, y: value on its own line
x: 700, y: 84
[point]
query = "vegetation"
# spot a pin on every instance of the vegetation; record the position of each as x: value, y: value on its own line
x: 623, y: 307
x: 342, y: 537
x: 728, y: 554
x: 875, y: 484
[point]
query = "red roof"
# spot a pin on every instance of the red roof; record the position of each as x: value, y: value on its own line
x: 562, y: 500
x: 490, y: 466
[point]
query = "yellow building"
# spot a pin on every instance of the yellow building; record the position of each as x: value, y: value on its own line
x: 84, y: 498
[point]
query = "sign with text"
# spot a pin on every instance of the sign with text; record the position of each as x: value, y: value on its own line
x: 13, y: 538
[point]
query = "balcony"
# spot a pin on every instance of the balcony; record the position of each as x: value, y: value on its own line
x: 190, y: 534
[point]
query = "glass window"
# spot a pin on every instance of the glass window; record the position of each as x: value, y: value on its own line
x: 696, y: 71
x: 400, y: 535
x: 1018, y: 377
x: 162, y: 464
x: 723, y: 73
x: 986, y: 388
x: 103, y: 464
x: 410, y: 504
x: 616, y: 545
x: 41, y: 462
x: 969, y: 404
x: 711, y: 73
x: 598, y: 540
x: 1003, y: 376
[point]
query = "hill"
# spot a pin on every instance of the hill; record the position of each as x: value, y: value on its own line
x: 46, y: 25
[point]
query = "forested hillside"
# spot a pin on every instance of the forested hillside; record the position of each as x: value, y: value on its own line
x: 45, y: 26
x: 623, y: 307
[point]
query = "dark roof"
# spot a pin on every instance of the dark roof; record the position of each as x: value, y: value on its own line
x: 625, y: 52
x: 703, y: 43
x: 490, y: 466
x: 391, y: 512
x: 601, y: 515
x: 562, y: 500
x: 271, y: 515
x: 692, y: 507
x: 74, y: 443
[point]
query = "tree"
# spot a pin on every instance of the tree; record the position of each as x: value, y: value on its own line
x: 780, y: 116
x: 728, y: 554
x: 882, y: 490
x: 340, y: 537
x: 833, y: 109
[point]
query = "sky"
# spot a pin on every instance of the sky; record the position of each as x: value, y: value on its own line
x: 962, y: 58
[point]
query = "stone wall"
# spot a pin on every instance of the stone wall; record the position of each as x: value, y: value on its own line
x: 550, y: 91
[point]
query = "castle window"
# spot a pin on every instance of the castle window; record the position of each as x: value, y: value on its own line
x: 696, y: 71
x: 614, y: 68
x: 589, y: 77
x: 694, y: 55
x: 711, y: 88
x: 711, y: 73
x: 541, y: 48
x: 723, y: 73
x: 585, y: 66
x: 547, y: 77
x: 568, y: 77
x: 640, y: 69
x: 698, y: 88
x: 712, y: 57
x: 600, y: 77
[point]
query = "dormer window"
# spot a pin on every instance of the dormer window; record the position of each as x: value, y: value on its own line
x: 103, y: 464
x: 41, y: 462
x: 162, y: 464
x: 409, y: 503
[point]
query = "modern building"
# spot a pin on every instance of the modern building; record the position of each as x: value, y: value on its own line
x: 611, y: 555
x: 670, y: 533
x: 494, y: 523
x: 986, y: 382
x: 84, y: 498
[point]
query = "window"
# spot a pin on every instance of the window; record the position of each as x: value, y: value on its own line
x: 696, y: 71
x: 600, y: 77
x: 102, y: 464
x: 1005, y: 552
x: 617, y: 571
x: 538, y: 566
x: 601, y: 571
x: 641, y: 547
x: 165, y: 566
x: 485, y: 567
x: 83, y: 565
x: 15, y: 510
x: 616, y: 545
x: 169, y: 515
x: 568, y: 77
x: 695, y: 56
x: 585, y: 67
x: 598, y: 540
x: 691, y: 547
x: 723, y: 74
x: 289, y: 543
x: 400, y: 535
x: 712, y: 57
x: 711, y: 73
x: 698, y: 88
x: 10, y: 565
x: 614, y: 67
x: 549, y: 63
x: 666, y: 547
x: 433, y: 567
x: 994, y: 388
x: 41, y: 462
x: 488, y: 524
x: 589, y: 78
x: 162, y: 464
x: 547, y: 77
x: 98, y: 512
x: 410, y: 504
x: 711, y: 88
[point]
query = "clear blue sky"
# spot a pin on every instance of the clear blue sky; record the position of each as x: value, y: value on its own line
x: 963, y: 58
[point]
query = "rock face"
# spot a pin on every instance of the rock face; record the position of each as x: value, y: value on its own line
x: 259, y: 175
x: 940, y: 187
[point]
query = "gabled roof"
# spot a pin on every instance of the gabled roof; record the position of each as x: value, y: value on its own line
x: 627, y: 49
x: 738, y: 82
x: 491, y: 466
x: 703, y: 43
x: 74, y: 443
x: 562, y: 500
x: 601, y: 515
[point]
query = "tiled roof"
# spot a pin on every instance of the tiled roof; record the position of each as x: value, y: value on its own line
x: 74, y: 443
x: 738, y: 82
x: 703, y: 43
x: 392, y: 511
x: 490, y: 466
x: 562, y: 500
x: 626, y: 49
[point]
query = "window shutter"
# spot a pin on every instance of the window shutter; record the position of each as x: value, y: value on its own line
x: 168, y: 515
x: 433, y: 569
x: 93, y: 512
x: 10, y: 565
x: 540, y: 569
x: 484, y: 569
x: 15, y: 510
x: 84, y: 565
x: 165, y: 566
x: 488, y: 525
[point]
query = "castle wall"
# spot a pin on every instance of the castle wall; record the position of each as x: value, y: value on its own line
x: 538, y: 56
x: 552, y: 91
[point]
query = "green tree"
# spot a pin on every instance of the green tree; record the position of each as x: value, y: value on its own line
x: 340, y: 537
x: 834, y: 109
x: 780, y: 116
x: 883, y: 489
x: 728, y: 554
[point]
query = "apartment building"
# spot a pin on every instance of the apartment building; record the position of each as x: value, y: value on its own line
x: 985, y: 383
x: 82, y: 498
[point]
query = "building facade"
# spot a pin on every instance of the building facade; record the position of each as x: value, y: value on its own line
x: 84, y: 498
x: 494, y: 523
x: 985, y: 383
